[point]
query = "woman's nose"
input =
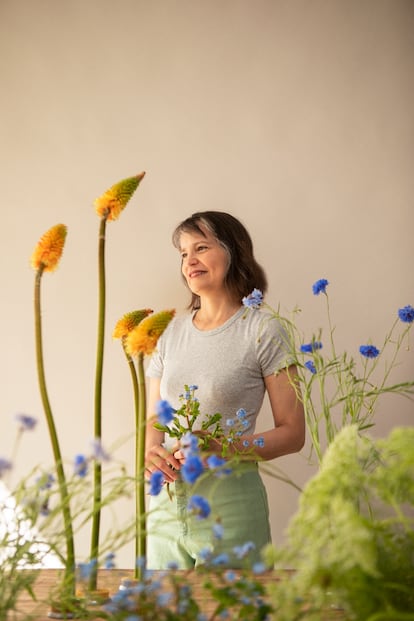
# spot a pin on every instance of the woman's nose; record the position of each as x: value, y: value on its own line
x: 191, y: 258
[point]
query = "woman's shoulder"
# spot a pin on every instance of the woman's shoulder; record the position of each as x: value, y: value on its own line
x: 180, y: 321
x: 263, y: 320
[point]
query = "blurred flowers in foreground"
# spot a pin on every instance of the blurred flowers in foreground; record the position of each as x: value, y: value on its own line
x: 351, y: 541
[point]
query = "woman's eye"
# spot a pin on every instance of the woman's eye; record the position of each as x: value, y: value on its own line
x: 200, y: 248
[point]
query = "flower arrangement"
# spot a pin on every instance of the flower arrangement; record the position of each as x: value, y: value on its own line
x: 336, y: 388
x: 339, y: 394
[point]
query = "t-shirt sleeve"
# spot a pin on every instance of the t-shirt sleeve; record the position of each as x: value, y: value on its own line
x: 156, y: 365
x: 274, y: 349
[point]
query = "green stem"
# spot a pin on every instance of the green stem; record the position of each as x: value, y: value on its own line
x: 137, y: 418
x: 97, y: 475
x: 141, y: 547
x: 69, y: 578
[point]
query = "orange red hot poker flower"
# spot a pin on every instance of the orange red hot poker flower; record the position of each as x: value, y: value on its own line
x: 113, y: 201
x: 49, y: 249
x: 143, y: 339
x: 128, y: 322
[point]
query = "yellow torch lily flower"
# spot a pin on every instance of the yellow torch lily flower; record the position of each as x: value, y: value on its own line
x: 49, y: 249
x: 128, y: 322
x: 143, y: 339
x: 113, y: 201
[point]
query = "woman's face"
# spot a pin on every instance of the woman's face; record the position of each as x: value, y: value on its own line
x: 204, y: 262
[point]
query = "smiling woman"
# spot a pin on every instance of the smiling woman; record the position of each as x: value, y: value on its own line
x: 216, y: 347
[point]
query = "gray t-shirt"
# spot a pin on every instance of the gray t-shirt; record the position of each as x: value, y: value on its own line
x: 227, y: 364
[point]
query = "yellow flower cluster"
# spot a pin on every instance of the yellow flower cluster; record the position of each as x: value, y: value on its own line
x: 144, y: 337
x: 113, y: 201
x: 49, y: 249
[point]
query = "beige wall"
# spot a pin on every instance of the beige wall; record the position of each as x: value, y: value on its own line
x: 296, y: 116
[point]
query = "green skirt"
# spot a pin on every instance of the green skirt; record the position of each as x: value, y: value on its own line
x: 233, y: 534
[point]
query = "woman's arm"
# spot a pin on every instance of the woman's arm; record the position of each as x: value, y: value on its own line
x: 288, y: 434
x: 156, y: 456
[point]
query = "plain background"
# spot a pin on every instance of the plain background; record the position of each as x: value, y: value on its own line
x: 294, y: 115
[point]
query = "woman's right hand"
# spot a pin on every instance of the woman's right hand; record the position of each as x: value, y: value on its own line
x: 159, y: 458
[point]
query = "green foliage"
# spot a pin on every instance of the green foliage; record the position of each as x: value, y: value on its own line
x: 336, y: 387
x: 186, y: 416
x: 352, y: 539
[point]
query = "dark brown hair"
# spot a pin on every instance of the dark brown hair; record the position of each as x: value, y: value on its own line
x: 244, y: 273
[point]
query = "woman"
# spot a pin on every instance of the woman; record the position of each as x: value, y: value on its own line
x: 234, y: 357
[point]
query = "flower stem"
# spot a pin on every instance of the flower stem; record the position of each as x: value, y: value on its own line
x: 140, y: 540
x: 97, y: 479
x: 69, y: 578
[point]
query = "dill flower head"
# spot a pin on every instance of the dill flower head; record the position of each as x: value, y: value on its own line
x: 113, y: 201
x: 49, y: 248
x: 129, y: 321
x: 144, y: 337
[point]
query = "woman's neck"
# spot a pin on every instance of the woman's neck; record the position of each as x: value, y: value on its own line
x: 213, y: 314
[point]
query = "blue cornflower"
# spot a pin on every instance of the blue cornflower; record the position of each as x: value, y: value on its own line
x: 110, y: 560
x: 172, y: 565
x: 189, y: 443
x: 309, y: 348
x: 205, y: 554
x: 241, y: 413
x: 192, y: 468
x: 243, y: 550
x: 45, y: 481
x: 309, y: 364
x: 230, y: 575
x: 199, y: 506
x: 369, y: 351
x: 44, y: 508
x: 164, y: 412
x: 27, y: 423
x: 320, y: 286
x: 259, y: 568
x: 246, y: 443
x: 85, y: 569
x: 81, y: 465
x: 216, y: 463
x: 406, y: 314
x: 221, y: 559
x: 254, y: 299
x: 98, y: 451
x: 156, y: 482
x: 163, y: 599
x: 5, y: 465
x: 259, y: 442
x: 218, y: 530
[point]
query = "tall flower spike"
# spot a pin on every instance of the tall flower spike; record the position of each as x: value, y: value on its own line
x: 129, y: 321
x: 143, y: 339
x: 113, y: 201
x: 49, y: 249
